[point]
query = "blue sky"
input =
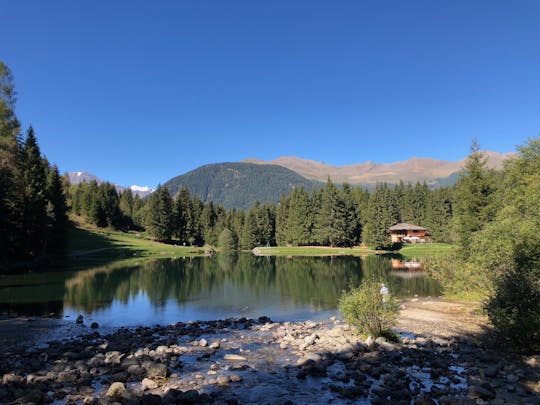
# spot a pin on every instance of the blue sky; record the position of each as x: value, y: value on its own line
x: 137, y: 92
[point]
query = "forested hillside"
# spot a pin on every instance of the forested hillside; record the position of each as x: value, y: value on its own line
x: 239, y: 185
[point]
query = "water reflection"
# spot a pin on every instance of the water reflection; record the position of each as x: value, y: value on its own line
x: 168, y: 290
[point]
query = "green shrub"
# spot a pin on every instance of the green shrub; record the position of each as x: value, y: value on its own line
x: 514, y: 309
x: 364, y: 308
x: 226, y: 241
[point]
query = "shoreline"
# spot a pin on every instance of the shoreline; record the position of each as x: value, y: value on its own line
x: 253, y: 361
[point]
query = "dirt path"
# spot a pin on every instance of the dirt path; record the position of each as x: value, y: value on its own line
x: 437, y: 318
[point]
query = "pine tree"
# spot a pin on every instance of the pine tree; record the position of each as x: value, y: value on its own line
x: 10, y: 195
x: 331, y: 220
x: 34, y: 185
x: 353, y: 226
x: 298, y: 221
x: 249, y: 238
x: 159, y: 221
x: 474, y: 197
x: 125, y: 205
x: 182, y: 213
x: 57, y: 211
x: 282, y: 215
x: 208, y: 222
x: 382, y: 213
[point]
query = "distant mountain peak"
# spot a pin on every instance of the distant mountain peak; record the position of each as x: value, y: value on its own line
x: 85, y: 177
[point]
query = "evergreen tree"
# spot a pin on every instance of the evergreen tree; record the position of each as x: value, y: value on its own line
x: 138, y: 212
x: 208, y: 222
x: 34, y: 205
x: 159, y: 220
x: 474, y: 197
x: 249, y: 238
x: 10, y: 196
x: 382, y: 213
x: 331, y: 220
x: 439, y: 214
x: 352, y: 222
x: 266, y: 225
x: 282, y: 215
x: 57, y: 209
x: 298, y: 221
x: 182, y: 213
x: 125, y: 205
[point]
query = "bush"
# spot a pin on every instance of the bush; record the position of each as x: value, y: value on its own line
x: 514, y: 310
x: 364, y: 308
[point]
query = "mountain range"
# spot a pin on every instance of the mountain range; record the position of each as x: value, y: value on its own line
x: 240, y: 184
x: 366, y: 173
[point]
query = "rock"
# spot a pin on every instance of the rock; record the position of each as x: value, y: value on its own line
x: 223, y: 380
x: 370, y: 342
x: 79, y: 319
x: 308, y: 357
x: 215, y: 345
x: 151, y: 399
x: 512, y: 378
x: 67, y: 376
x: 389, y: 347
x: 235, y: 378
x: 114, y: 357
x: 478, y: 392
x: 203, y: 342
x: 136, y: 370
x: 283, y: 345
x: 380, y: 340
x: 149, y: 384
x: 155, y: 369
x: 234, y: 357
x: 11, y: 378
x: 116, y: 389
x: 491, y: 371
x: 533, y: 361
x: 94, y: 325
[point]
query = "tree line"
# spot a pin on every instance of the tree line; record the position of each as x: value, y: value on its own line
x: 330, y: 216
x: 33, y: 208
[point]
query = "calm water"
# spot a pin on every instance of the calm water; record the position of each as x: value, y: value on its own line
x: 170, y: 290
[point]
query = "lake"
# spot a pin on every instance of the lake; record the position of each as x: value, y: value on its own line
x: 164, y: 291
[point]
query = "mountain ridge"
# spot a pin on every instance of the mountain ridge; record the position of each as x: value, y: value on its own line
x: 369, y: 172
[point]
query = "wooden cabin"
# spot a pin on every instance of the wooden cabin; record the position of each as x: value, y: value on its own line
x: 408, y: 233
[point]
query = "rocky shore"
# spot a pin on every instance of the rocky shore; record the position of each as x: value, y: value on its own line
x: 262, y: 362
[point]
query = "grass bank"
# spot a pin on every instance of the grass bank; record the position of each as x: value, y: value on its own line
x: 88, y: 246
x: 312, y: 251
x: 422, y: 250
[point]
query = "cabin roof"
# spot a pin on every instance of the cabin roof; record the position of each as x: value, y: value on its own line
x: 407, y: 227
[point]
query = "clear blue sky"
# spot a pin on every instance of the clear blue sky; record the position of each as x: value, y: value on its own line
x: 141, y: 91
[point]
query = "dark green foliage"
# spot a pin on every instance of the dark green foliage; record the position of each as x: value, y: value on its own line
x: 227, y: 241
x: 34, y: 199
x: 331, y: 221
x: 382, y: 213
x: 352, y: 220
x: 514, y: 309
x: 239, y: 185
x: 298, y: 229
x: 159, y: 219
x: 9, y: 165
x: 57, y: 211
x: 208, y: 223
x: 474, y: 196
x: 364, y: 308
